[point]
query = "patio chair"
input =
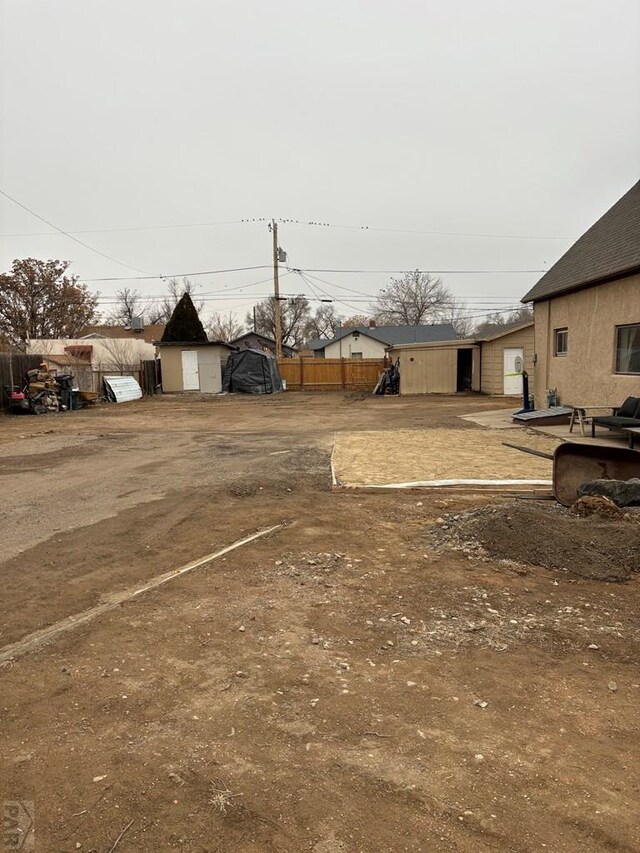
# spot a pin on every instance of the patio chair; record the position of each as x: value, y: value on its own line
x: 626, y: 415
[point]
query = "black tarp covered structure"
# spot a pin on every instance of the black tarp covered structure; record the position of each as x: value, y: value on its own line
x: 251, y: 371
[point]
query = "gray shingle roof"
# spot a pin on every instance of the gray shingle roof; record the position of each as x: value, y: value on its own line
x: 609, y: 249
x: 394, y: 334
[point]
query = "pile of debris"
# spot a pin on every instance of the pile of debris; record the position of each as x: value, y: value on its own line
x: 547, y: 535
x: 42, y: 392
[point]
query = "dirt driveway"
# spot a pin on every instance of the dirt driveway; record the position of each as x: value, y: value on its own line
x: 356, y: 681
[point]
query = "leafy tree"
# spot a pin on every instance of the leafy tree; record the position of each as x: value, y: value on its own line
x: 39, y: 300
x: 224, y: 327
x: 184, y: 325
x: 416, y: 298
x: 294, y: 317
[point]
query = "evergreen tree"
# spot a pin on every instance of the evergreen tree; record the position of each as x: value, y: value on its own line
x: 184, y: 325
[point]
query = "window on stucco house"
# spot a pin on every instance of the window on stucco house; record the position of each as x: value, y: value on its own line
x: 628, y: 348
x: 561, y: 341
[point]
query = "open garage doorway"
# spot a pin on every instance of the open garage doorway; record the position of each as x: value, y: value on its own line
x: 464, y: 377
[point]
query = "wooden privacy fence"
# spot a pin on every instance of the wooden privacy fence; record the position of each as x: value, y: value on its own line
x: 331, y: 374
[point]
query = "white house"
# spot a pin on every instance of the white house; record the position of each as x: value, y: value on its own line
x: 371, y: 341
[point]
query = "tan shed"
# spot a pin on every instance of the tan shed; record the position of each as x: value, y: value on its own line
x: 443, y: 367
x: 193, y: 366
x: 492, y: 365
x: 504, y: 356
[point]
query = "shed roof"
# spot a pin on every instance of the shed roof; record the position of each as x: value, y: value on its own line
x: 392, y: 334
x: 609, y: 249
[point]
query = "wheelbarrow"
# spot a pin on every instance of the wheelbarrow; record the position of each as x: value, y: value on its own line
x: 575, y: 464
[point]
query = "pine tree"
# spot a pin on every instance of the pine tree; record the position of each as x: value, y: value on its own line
x: 184, y: 325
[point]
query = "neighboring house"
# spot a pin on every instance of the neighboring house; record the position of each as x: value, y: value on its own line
x: 372, y: 341
x: 149, y: 333
x: 89, y: 359
x: 196, y: 366
x: 491, y: 365
x: 587, y: 313
x: 254, y: 340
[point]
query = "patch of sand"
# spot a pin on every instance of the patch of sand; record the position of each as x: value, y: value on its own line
x: 409, y: 456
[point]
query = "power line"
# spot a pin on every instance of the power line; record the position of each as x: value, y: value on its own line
x: 428, y: 269
x: 308, y: 223
x: 70, y: 236
x: 178, y: 274
x: 163, y: 277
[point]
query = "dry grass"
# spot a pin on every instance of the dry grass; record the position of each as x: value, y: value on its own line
x: 222, y: 798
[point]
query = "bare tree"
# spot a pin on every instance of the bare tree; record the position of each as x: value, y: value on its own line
x: 161, y: 311
x: 294, y: 314
x: 498, y: 320
x: 224, y: 327
x: 412, y: 300
x: 39, y: 300
x: 130, y: 303
x: 120, y: 355
x: 456, y: 312
x: 324, y: 323
x: 355, y: 320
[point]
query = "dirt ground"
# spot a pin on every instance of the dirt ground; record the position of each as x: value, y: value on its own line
x: 352, y: 682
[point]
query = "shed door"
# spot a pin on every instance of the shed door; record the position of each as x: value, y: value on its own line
x: 190, y: 377
x: 513, y: 365
x: 210, y: 372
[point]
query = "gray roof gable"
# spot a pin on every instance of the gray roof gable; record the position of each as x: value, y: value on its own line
x: 393, y: 334
x: 609, y: 249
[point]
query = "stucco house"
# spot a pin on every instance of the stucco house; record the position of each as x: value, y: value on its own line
x: 372, y: 341
x: 587, y: 313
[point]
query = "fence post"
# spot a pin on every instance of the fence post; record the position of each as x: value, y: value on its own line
x: 343, y: 374
x: 301, y: 374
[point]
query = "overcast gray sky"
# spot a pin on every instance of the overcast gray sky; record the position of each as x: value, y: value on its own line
x: 501, y: 117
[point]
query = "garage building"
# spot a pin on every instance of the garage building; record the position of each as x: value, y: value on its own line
x: 491, y: 365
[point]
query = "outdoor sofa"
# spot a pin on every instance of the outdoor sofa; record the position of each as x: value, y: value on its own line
x: 624, y: 416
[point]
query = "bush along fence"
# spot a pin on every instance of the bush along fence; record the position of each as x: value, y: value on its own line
x: 331, y: 374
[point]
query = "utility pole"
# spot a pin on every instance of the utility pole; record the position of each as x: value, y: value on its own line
x: 276, y: 290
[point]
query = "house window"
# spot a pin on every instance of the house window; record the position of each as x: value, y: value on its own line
x: 356, y: 355
x: 561, y: 342
x: 628, y: 349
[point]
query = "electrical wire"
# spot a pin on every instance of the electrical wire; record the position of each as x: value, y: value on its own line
x: 307, y: 223
x: 179, y: 274
x: 434, y: 271
x: 70, y: 236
